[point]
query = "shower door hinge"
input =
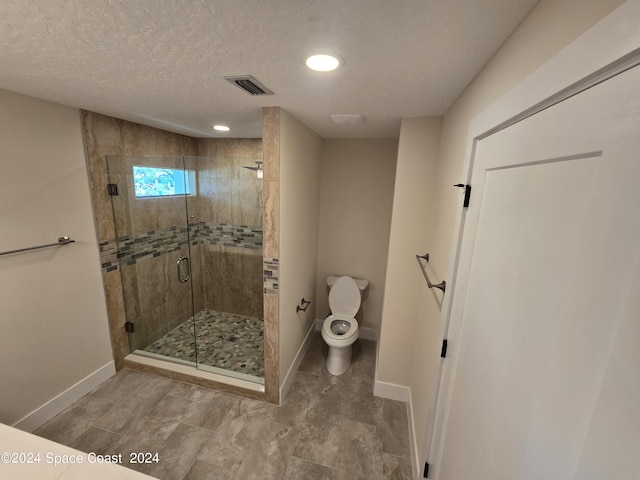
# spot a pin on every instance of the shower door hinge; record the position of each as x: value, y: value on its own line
x: 426, y: 470
x: 112, y: 189
x: 128, y: 327
x: 443, y: 352
x: 467, y: 193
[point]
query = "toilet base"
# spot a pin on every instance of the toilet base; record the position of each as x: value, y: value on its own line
x: 338, y: 360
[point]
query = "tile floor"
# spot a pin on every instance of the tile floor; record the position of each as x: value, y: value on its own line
x: 327, y: 428
x: 225, y: 340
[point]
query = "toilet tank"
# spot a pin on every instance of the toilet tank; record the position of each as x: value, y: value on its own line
x: 362, y: 284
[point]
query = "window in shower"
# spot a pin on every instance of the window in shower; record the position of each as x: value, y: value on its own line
x: 163, y: 182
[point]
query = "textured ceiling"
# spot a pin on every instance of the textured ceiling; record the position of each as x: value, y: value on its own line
x: 163, y: 62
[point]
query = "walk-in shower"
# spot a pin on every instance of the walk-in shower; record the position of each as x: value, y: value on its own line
x: 189, y: 250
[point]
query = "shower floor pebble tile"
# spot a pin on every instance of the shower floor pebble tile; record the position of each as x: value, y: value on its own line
x: 225, y: 340
x: 204, y: 434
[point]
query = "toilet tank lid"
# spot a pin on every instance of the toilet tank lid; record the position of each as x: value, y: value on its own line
x: 362, y: 284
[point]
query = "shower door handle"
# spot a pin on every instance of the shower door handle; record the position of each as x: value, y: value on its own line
x: 184, y: 279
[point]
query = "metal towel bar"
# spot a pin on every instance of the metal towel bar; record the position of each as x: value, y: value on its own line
x: 442, y: 285
x: 61, y: 241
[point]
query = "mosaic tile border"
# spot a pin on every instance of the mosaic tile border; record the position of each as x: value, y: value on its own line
x: 271, y: 275
x: 241, y: 236
x: 109, y: 255
x: 129, y: 250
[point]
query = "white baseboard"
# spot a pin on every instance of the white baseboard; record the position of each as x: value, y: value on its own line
x: 392, y: 391
x: 401, y: 393
x: 413, y: 444
x: 46, y: 412
x: 365, y: 332
x: 289, y: 378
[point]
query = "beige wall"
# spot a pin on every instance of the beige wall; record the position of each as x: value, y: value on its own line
x: 52, y: 316
x: 415, y: 174
x: 356, y: 196
x: 550, y: 26
x: 300, y: 153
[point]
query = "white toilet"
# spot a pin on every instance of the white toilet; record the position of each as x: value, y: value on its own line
x: 340, y: 329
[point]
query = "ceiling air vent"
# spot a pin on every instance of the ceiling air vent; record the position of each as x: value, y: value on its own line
x: 249, y: 84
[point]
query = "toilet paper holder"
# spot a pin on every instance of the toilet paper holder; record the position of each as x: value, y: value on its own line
x: 305, y: 304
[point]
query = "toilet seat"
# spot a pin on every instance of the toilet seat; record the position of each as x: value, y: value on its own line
x: 345, y: 297
x: 346, y: 336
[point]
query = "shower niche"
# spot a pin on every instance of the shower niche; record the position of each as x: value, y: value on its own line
x: 189, y: 251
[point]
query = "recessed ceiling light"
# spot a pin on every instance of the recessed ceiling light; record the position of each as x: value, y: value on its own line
x: 221, y: 128
x: 323, y: 63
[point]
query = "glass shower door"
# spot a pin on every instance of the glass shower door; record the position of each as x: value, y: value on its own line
x: 150, y: 197
x: 188, y: 234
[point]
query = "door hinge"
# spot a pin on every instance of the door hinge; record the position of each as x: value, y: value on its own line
x: 443, y: 352
x: 112, y: 189
x: 426, y: 470
x: 467, y: 193
x: 128, y: 327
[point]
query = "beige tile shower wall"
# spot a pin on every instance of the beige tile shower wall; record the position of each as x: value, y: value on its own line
x: 105, y: 136
x: 271, y: 231
x: 235, y: 282
x: 229, y: 193
x: 152, y: 314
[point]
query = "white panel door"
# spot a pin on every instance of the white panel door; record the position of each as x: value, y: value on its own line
x: 546, y: 383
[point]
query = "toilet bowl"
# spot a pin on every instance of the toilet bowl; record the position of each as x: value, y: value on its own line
x: 340, y: 329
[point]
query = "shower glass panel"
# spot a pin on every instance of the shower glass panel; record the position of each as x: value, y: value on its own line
x: 150, y: 197
x: 227, y: 218
x: 189, y: 239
